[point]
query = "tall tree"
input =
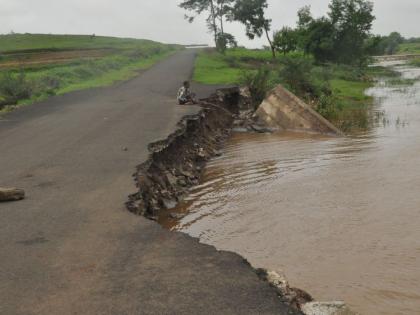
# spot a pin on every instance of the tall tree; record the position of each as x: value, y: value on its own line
x: 304, y: 17
x: 200, y: 6
x: 352, y: 21
x: 305, y: 20
x: 223, y: 8
x: 319, y: 40
x: 286, y: 40
x: 342, y: 36
x: 217, y: 11
x: 393, y: 41
x: 251, y: 13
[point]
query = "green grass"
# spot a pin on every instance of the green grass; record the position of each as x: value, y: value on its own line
x: 409, y: 48
x: 347, y: 107
x: 127, y: 58
x: 244, y: 54
x: 215, y: 69
x: 351, y: 90
x: 24, y: 42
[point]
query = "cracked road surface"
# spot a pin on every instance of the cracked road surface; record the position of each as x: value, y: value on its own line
x: 71, y: 247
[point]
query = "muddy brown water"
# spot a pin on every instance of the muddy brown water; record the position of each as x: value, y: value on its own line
x: 339, y: 216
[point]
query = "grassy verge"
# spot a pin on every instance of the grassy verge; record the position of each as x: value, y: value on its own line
x: 337, y: 92
x: 215, y: 69
x: 409, y: 48
x: 35, y: 67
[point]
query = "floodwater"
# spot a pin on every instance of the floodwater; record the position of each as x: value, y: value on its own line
x: 339, y: 216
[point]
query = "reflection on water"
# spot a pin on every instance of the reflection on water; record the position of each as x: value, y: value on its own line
x: 340, y: 216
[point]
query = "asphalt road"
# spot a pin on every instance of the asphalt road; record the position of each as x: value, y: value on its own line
x: 71, y: 247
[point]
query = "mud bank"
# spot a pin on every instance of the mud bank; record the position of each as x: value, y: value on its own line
x: 176, y: 163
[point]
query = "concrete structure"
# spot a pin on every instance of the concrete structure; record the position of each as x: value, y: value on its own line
x: 284, y: 111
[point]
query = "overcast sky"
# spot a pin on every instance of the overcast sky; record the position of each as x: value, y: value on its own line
x: 163, y: 21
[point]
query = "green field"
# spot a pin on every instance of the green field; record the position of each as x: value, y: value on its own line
x: 25, y: 42
x: 214, y: 68
x: 409, y: 48
x: 347, y: 84
x: 34, y: 67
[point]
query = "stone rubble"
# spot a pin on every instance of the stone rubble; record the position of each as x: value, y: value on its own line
x: 326, y: 308
x: 300, y: 299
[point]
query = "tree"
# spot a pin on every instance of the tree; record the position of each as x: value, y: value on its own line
x: 304, y: 17
x: 376, y: 45
x: 217, y: 11
x: 224, y: 7
x: 384, y: 45
x: 200, y: 6
x: 393, y: 42
x: 352, y: 21
x: 304, y: 21
x: 224, y: 41
x: 251, y: 13
x: 341, y: 36
x: 319, y: 40
x: 286, y: 40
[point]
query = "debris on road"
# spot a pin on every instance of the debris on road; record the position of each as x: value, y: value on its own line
x: 11, y: 194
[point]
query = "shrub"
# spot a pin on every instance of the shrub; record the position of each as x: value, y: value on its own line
x: 295, y: 73
x: 15, y: 87
x: 258, y: 83
x: 50, y: 84
x: 327, y: 107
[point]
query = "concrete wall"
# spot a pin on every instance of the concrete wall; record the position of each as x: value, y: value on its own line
x: 284, y: 111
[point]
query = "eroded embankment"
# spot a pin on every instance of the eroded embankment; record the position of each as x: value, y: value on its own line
x: 176, y: 163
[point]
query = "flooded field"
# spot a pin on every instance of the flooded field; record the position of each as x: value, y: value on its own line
x: 339, y: 216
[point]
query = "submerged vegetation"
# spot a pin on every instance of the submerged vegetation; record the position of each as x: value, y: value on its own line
x: 37, y: 66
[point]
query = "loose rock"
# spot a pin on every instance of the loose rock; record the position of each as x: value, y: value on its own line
x: 326, y: 308
x: 11, y: 194
x: 291, y: 296
x: 176, y: 216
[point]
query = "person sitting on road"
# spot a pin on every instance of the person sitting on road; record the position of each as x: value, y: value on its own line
x: 185, y: 96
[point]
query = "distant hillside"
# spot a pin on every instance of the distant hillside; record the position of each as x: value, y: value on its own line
x: 37, y: 66
x: 23, y: 42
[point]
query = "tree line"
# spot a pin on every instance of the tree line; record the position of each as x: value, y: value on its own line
x: 250, y: 13
x: 343, y: 35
